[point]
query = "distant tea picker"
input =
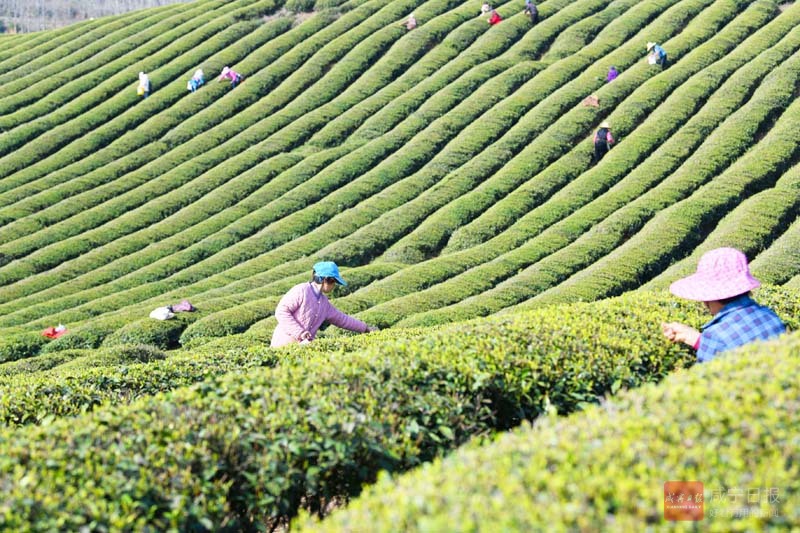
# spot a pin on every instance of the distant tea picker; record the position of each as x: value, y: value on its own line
x: 656, y: 55
x: 306, y: 307
x: 197, y: 80
x: 143, y: 88
x: 232, y: 75
x: 723, y: 283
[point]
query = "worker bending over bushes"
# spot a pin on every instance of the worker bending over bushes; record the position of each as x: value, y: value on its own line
x: 305, y: 307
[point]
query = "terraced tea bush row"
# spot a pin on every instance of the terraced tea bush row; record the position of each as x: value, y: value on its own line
x: 32, y: 45
x: 71, y: 382
x: 11, y: 370
x: 20, y: 344
x: 751, y: 227
x: 781, y: 261
x: 114, y: 375
x: 607, y: 467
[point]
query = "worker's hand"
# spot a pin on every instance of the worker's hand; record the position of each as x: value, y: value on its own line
x: 677, y: 332
x: 370, y: 329
x: 305, y: 336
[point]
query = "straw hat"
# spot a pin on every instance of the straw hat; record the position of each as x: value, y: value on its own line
x: 650, y: 45
x: 605, y: 124
x: 721, y: 273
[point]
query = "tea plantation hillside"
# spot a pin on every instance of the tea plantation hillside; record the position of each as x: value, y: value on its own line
x: 447, y: 169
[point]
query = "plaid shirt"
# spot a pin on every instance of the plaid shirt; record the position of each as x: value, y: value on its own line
x: 739, y: 322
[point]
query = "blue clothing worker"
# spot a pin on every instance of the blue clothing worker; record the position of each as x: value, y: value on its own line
x: 723, y: 283
x: 739, y: 322
x: 657, y: 55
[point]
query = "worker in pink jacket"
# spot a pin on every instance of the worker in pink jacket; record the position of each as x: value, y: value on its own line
x: 229, y: 73
x: 305, y: 307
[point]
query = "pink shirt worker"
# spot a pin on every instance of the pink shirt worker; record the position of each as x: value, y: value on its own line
x: 306, y: 307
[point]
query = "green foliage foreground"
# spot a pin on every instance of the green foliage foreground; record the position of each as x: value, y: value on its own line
x: 242, y: 449
x: 730, y: 424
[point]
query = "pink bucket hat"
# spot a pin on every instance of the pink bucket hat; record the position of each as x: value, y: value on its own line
x: 721, y: 273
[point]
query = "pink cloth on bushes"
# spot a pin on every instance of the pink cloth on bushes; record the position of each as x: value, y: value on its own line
x: 183, y: 306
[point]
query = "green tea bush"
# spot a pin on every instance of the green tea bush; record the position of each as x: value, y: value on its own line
x: 161, y: 333
x: 117, y: 375
x: 40, y: 43
x: 730, y: 424
x: 20, y: 345
x: 781, y: 261
x: 29, y: 365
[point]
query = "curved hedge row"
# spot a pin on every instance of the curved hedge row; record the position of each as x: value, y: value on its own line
x: 778, y: 263
x: 30, y: 46
x: 751, y: 227
x: 72, y: 382
x: 606, y: 468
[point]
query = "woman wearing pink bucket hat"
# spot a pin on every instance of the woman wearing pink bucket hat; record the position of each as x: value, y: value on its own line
x: 723, y: 283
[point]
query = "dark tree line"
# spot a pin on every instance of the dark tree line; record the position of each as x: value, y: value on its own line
x: 17, y: 16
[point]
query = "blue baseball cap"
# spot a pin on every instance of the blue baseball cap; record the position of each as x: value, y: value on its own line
x: 328, y: 269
